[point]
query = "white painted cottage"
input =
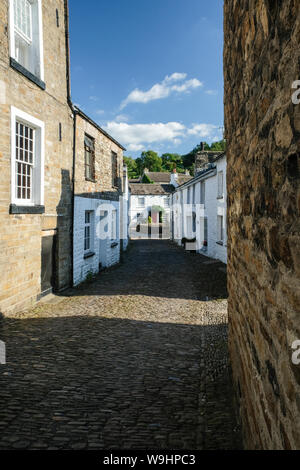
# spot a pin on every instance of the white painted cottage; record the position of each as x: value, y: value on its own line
x: 199, y: 211
x: 145, y: 201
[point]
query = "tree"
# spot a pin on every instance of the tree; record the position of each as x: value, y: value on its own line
x: 151, y: 160
x: 147, y: 180
x: 132, y: 167
x: 171, y: 161
x: 219, y: 146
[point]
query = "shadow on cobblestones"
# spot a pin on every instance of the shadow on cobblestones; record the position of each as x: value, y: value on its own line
x: 158, y: 268
x: 111, y: 371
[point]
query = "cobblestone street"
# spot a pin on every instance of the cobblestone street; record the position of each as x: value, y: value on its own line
x: 135, y: 359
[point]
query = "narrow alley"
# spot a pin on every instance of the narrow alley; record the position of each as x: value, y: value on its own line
x: 134, y: 359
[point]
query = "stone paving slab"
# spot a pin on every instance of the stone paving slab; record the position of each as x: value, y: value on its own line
x: 132, y: 360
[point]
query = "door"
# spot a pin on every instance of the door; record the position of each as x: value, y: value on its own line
x: 48, y: 264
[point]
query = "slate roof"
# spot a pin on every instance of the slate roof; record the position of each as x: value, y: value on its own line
x: 183, y: 179
x: 138, y: 189
x: 158, y: 177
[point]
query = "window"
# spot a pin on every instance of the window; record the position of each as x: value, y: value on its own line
x: 194, y: 228
x: 193, y: 197
x: 26, y: 41
x: 88, y: 226
x: 167, y: 202
x: 188, y: 195
x: 27, y: 162
x: 114, y: 225
x: 114, y: 169
x: 23, y: 19
x: 202, y: 192
x: 220, y: 185
x: 89, y: 151
x: 141, y: 202
x: 220, y: 229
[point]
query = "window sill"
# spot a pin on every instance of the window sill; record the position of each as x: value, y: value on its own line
x: 220, y: 197
x: 220, y: 243
x: 33, y: 78
x: 91, y: 180
x: 15, y: 209
x: 90, y: 254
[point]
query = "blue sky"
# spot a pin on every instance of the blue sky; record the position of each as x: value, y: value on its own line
x: 150, y: 71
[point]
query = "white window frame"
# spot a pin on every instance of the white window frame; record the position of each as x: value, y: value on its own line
x: 220, y: 185
x: 90, y: 224
x: 40, y: 27
x: 220, y: 227
x: 166, y: 202
x: 141, y: 206
x: 114, y: 223
x: 19, y: 31
x: 202, y: 192
x: 37, y: 198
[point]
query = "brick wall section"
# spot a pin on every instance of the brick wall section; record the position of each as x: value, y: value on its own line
x: 261, y: 61
x: 20, y: 241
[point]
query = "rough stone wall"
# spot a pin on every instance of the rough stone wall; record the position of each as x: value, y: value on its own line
x: 20, y: 235
x: 103, y: 167
x: 261, y: 61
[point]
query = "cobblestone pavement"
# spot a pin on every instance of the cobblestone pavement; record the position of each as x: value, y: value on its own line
x: 136, y: 359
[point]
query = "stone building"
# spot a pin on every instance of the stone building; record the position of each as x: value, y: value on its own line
x: 261, y: 65
x: 99, y: 199
x: 36, y: 135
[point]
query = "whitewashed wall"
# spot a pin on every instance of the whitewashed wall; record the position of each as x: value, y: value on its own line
x: 213, y: 208
x: 104, y: 252
x: 150, y: 201
x: 182, y: 220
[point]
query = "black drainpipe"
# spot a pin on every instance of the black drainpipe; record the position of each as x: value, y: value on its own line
x: 68, y: 79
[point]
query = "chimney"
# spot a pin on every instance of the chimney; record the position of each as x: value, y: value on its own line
x: 202, y: 146
x: 187, y: 173
x: 174, y: 178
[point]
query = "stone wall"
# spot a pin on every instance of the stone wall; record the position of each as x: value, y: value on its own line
x: 103, y: 163
x: 21, y: 235
x: 261, y: 61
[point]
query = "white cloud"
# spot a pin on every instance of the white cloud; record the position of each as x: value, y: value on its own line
x: 175, y: 77
x: 135, y: 147
x: 163, y: 89
x: 137, y: 137
x: 122, y: 118
x: 211, y: 92
x: 202, y: 130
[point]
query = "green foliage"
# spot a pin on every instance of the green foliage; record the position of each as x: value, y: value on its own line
x: 151, y: 160
x: 220, y: 146
x: 132, y: 167
x: 157, y: 209
x: 168, y: 161
x: 147, y: 180
x: 149, y: 219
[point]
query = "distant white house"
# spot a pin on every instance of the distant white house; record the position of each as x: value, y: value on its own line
x: 199, y: 211
x: 150, y: 202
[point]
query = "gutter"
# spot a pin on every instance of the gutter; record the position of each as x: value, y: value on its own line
x: 209, y: 172
x: 93, y: 123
